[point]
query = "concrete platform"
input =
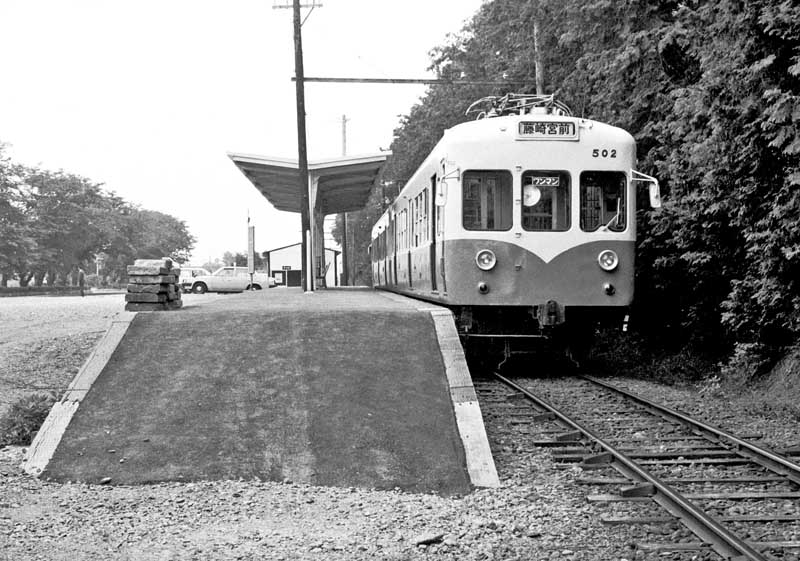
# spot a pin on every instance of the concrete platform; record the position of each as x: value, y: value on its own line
x: 337, y: 387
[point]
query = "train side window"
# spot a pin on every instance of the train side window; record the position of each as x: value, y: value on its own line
x: 603, y: 200
x: 405, y: 229
x: 418, y: 232
x: 545, y: 201
x: 391, y: 238
x: 487, y: 200
x: 401, y: 242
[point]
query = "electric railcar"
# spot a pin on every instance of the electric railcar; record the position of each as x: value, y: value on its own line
x: 522, y: 222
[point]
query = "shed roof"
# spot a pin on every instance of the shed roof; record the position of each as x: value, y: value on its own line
x: 344, y: 183
x: 336, y: 251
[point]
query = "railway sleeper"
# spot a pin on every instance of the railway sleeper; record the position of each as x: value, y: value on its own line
x: 582, y: 458
x: 696, y: 461
x: 700, y: 546
x: 667, y: 519
x: 564, y: 445
x: 572, y: 436
x: 697, y: 457
x: 638, y: 490
x: 742, y: 496
x: 678, y: 438
x: 678, y: 454
x: 668, y: 481
x: 666, y: 448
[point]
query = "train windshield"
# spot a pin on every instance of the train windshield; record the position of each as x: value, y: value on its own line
x: 603, y: 200
x: 487, y: 200
x: 545, y: 201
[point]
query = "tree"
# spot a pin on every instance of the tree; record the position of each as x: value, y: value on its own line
x: 16, y: 241
x: 710, y: 89
x: 160, y: 235
x: 53, y: 222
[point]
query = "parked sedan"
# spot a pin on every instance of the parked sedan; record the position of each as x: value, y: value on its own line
x: 231, y: 279
x: 188, y: 274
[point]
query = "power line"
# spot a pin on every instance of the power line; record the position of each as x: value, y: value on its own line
x: 415, y: 81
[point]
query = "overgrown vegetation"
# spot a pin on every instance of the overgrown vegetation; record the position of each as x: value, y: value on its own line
x: 51, y: 223
x: 709, y: 89
x: 21, y: 423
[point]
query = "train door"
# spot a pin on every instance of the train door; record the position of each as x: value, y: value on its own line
x: 411, y: 244
x: 384, y: 236
x: 394, y: 247
x: 389, y: 249
x: 432, y: 210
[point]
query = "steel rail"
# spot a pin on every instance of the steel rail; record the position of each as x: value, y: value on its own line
x: 708, y: 529
x: 763, y: 457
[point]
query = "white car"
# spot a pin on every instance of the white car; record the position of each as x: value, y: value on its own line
x: 231, y: 279
x: 188, y: 274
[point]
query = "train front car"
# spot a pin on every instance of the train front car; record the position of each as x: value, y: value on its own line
x: 529, y: 223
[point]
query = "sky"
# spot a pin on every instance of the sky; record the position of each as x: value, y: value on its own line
x: 148, y: 97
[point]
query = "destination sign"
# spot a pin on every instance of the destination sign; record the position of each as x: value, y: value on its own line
x: 548, y: 130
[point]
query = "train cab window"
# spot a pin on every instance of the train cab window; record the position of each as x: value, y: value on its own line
x: 603, y: 200
x: 545, y: 201
x: 487, y: 200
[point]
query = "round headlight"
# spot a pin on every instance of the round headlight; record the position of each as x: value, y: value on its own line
x: 485, y: 259
x: 608, y: 260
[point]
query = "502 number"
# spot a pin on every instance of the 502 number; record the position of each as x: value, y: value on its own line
x: 598, y: 153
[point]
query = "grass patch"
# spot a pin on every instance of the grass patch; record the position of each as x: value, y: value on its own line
x: 775, y: 395
x: 21, y: 423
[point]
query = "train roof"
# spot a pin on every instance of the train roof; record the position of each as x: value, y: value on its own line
x: 508, y: 127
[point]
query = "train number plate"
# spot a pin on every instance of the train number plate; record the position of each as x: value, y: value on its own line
x: 547, y: 130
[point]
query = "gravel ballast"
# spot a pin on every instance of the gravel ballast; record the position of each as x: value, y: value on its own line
x: 538, y: 513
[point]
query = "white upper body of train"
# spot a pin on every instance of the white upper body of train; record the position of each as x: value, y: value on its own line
x: 530, y: 209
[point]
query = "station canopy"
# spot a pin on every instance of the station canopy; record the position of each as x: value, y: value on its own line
x: 343, y: 184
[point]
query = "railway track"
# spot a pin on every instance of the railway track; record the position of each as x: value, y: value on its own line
x: 687, y: 487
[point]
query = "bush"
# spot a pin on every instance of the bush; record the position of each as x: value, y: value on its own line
x: 93, y: 281
x: 746, y: 364
x: 38, y: 290
x: 23, y: 420
x: 628, y: 354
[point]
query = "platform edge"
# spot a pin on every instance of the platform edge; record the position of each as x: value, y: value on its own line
x: 480, y: 463
x: 52, y: 430
x: 469, y: 420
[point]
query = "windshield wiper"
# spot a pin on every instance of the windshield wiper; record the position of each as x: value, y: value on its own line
x: 615, y: 218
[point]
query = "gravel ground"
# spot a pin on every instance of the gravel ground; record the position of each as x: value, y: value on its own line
x: 537, y: 514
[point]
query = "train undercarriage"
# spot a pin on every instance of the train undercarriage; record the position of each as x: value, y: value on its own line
x: 528, y: 337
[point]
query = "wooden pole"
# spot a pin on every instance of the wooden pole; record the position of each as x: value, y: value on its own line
x: 345, y: 253
x: 301, y: 146
x: 345, y: 269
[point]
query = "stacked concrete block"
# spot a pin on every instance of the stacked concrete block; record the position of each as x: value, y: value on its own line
x: 153, y: 286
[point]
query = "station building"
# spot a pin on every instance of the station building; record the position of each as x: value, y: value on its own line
x: 286, y: 264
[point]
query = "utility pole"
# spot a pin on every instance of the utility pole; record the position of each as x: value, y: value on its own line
x: 345, y: 270
x: 301, y: 146
x: 302, y: 153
